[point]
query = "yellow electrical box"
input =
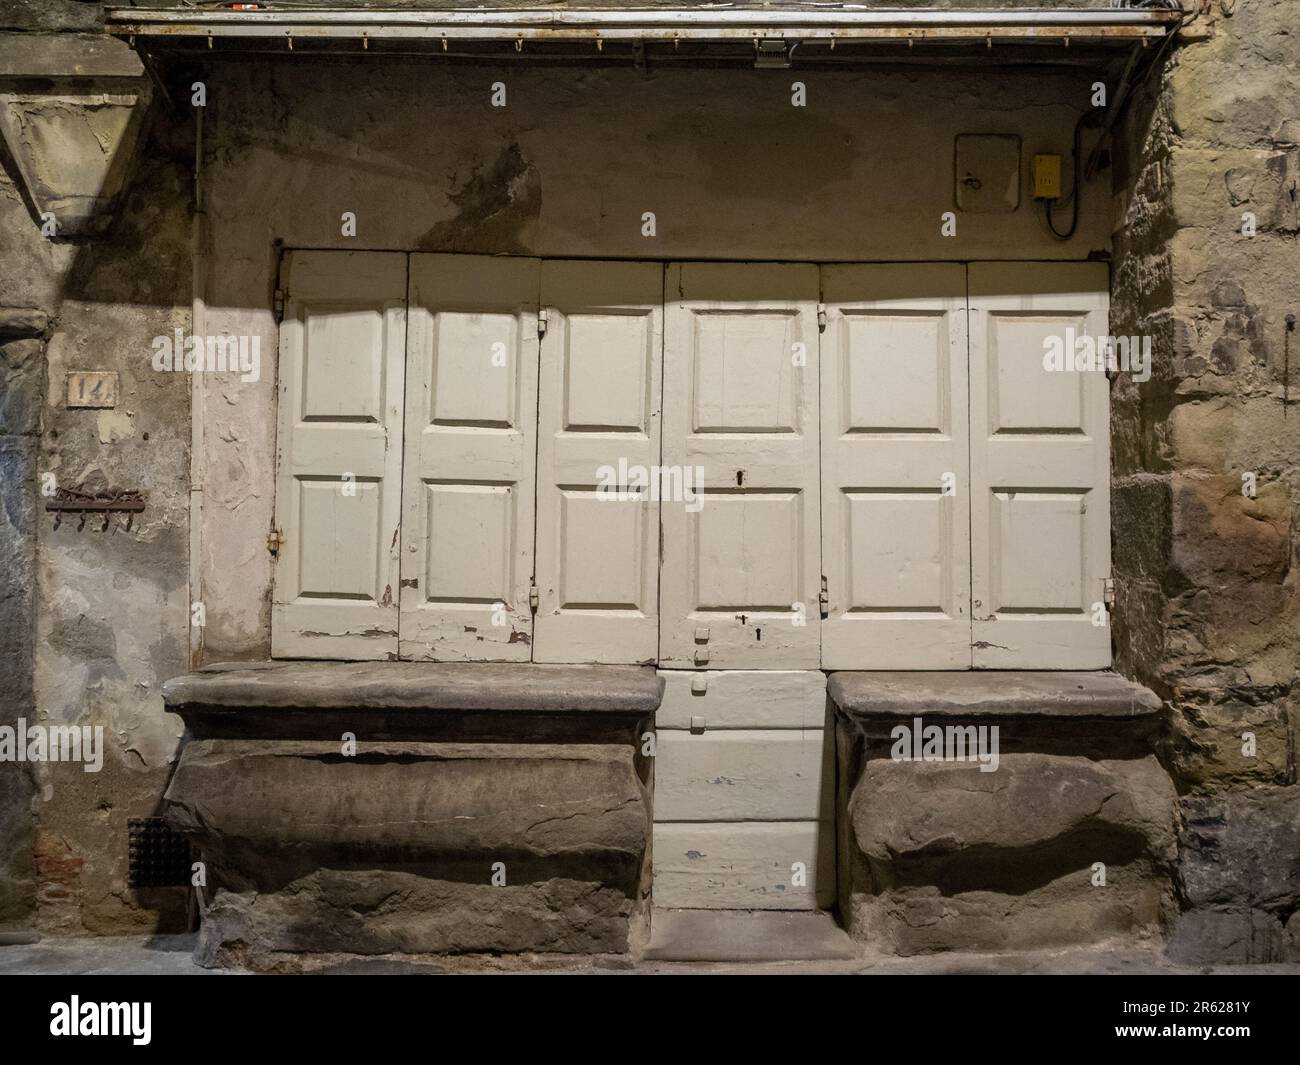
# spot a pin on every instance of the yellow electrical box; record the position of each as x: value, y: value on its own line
x: 1047, y: 177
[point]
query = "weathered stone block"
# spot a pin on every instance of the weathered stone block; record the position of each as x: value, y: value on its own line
x: 1230, y: 743
x: 483, y: 809
x: 1226, y: 936
x: 22, y: 386
x: 964, y: 860
x: 939, y: 855
x: 1242, y: 849
x: 394, y: 849
x: 17, y: 323
x: 1230, y: 562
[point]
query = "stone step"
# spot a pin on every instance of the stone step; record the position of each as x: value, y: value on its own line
x: 747, y: 936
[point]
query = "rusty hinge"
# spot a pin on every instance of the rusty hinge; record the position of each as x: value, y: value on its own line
x: 534, y: 601
x: 821, y: 317
x: 278, y: 305
x: 824, y: 599
x: 1108, y: 591
x: 274, y: 541
x: 542, y: 319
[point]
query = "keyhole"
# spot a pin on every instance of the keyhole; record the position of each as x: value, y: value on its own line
x: 758, y: 633
x: 740, y: 478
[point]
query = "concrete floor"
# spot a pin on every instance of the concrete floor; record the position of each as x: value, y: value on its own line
x: 170, y: 956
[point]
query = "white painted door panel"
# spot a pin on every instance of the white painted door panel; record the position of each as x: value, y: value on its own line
x: 742, y: 699
x: 743, y: 775
x: 1040, y: 467
x: 740, y: 570
x: 895, y: 467
x: 469, y: 474
x: 599, y: 414
x: 744, y: 866
x: 339, y: 455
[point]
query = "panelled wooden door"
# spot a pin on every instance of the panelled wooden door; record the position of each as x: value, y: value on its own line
x: 599, y: 425
x: 1040, y: 507
x: 740, y: 568
x: 471, y: 440
x: 952, y: 492
x: 338, y: 484
x: 895, y: 468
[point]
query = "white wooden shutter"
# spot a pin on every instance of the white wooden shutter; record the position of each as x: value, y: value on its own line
x: 601, y: 372
x: 1040, y: 455
x: 470, y: 459
x: 338, y: 482
x: 895, y: 468
x: 740, y: 575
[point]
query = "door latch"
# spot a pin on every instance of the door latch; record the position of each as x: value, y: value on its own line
x: 534, y: 600
x: 824, y: 599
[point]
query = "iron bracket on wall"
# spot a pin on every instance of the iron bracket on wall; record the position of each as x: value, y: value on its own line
x: 65, y: 500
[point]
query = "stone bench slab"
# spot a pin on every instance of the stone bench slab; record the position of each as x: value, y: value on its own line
x: 991, y: 694
x: 419, y: 686
x: 415, y: 700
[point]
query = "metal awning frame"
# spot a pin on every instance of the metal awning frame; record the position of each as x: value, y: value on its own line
x: 792, y: 23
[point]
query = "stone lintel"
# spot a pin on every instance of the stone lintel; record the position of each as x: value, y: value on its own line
x: 17, y: 323
x: 67, y: 55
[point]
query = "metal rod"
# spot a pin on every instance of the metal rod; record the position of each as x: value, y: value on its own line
x: 667, y: 24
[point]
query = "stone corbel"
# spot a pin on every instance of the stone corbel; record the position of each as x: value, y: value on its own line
x: 72, y: 109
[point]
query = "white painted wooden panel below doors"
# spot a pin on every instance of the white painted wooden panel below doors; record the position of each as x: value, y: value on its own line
x: 744, y: 791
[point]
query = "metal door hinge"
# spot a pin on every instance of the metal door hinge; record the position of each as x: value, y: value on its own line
x: 824, y: 599
x: 542, y: 318
x: 821, y: 317
x: 278, y: 305
x: 1108, y: 591
x: 534, y: 600
x: 274, y: 541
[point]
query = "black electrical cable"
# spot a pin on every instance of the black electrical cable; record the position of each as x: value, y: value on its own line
x: 1087, y: 116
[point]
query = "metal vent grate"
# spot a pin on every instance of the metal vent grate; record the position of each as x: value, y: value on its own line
x: 156, y: 856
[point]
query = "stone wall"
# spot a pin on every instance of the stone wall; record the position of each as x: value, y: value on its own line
x: 92, y: 620
x: 1208, y: 589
